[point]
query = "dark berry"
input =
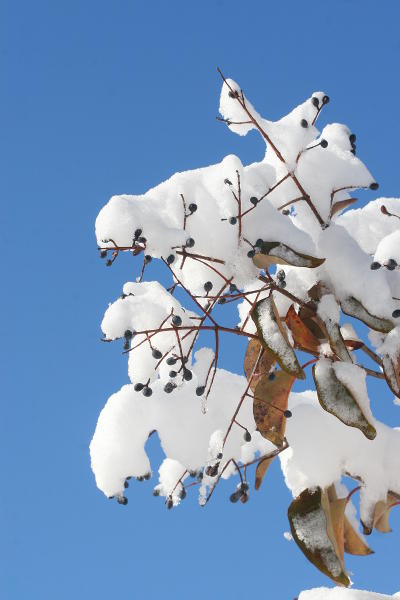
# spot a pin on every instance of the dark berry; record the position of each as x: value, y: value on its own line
x: 176, y: 320
x: 140, y: 478
x: 208, y: 286
x: 232, y: 288
x: 353, y: 151
x: 221, y: 300
x: 182, y: 494
x: 234, y: 497
x: 122, y: 500
x: 190, y: 243
x: 315, y: 101
x: 156, y: 353
x: 244, y: 498
x: 147, y: 476
x: 244, y: 487
x: 147, y: 259
x: 185, y: 359
x: 259, y: 243
x: 352, y: 138
x: 287, y: 413
x: 103, y: 253
x: 142, y: 240
x: 281, y: 274
x: 282, y: 283
x: 192, y: 207
x: 234, y: 94
x: 324, y: 143
x: 173, y: 374
x: 138, y: 387
x: 200, y: 390
x: 187, y: 375
x: 374, y: 186
x: 169, y: 387
x: 169, y: 503
x: 156, y: 492
x: 126, y: 345
x: 254, y: 200
x: 138, y: 232
x: 286, y: 212
x: 271, y: 376
x: 128, y: 334
x: 396, y: 313
x: 126, y: 485
x: 391, y: 264
x: 247, y: 436
x: 170, y: 259
x: 171, y: 360
x: 109, y: 263
x: 147, y: 391
x: 212, y: 471
x: 304, y: 123
x: 251, y: 253
x: 227, y: 182
x: 219, y: 455
x: 233, y: 220
x: 325, y: 100
x: 375, y: 265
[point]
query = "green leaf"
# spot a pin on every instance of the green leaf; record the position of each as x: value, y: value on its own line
x: 337, y: 399
x: 273, y: 336
x: 353, y: 307
x: 315, y: 534
x: 276, y: 253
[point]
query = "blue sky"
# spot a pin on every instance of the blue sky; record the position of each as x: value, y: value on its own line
x: 100, y: 98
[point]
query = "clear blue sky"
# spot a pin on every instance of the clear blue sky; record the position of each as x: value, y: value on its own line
x: 99, y: 98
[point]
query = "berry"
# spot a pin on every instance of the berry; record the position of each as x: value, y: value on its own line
x: 219, y: 455
x: 103, y: 253
x: 282, y: 283
x: 304, y: 123
x: 140, y: 478
x: 233, y: 220
x: 208, y: 286
x: 315, y: 101
x: 233, y: 94
x: 352, y: 138
x: 244, y: 498
x: 286, y: 212
x: 190, y: 243
x: 325, y: 100
x: 147, y: 476
x: 192, y: 207
x: 170, y: 259
x: 251, y: 253
x: 126, y: 345
x: 156, y: 353
x: 227, y: 182
x: 200, y: 390
x: 324, y: 143
x: 281, y: 274
x: 244, y: 487
x: 212, y: 471
x: 128, y: 334
x: 156, y: 492
x: 138, y: 232
x: 147, y: 391
x: 173, y: 374
x: 247, y: 436
x: 182, y: 494
x: 254, y: 200
x: 271, y: 376
x: 147, y: 259
x: 169, y: 503
x: 187, y: 375
x: 233, y: 288
x: 259, y: 243
x: 353, y: 151
x: 375, y: 265
x: 169, y: 387
x: 374, y: 186
x: 221, y: 300
x: 171, y: 360
x: 142, y: 240
x: 109, y: 263
x: 391, y: 264
x: 126, y: 484
x: 138, y: 387
x: 287, y: 413
x: 176, y: 320
x: 185, y: 359
x: 234, y: 497
x: 396, y: 314
x: 122, y: 500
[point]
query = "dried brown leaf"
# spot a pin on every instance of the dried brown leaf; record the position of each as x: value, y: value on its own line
x: 270, y: 402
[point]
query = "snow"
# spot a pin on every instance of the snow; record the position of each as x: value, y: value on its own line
x: 207, y: 225
x: 340, y: 593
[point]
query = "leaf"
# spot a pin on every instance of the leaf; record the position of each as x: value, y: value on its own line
x: 270, y: 402
x: 337, y: 399
x: 274, y: 338
x: 353, y: 307
x: 353, y: 542
x: 303, y: 337
x: 261, y: 470
x: 381, y: 515
x: 336, y: 340
x: 391, y: 369
x: 276, y: 253
x: 315, y: 533
x: 341, y: 205
x: 265, y: 363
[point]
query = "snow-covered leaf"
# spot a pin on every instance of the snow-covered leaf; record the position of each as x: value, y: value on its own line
x: 354, y: 308
x: 278, y: 253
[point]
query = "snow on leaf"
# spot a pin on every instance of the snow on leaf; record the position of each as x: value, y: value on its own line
x: 278, y: 253
x: 354, y: 308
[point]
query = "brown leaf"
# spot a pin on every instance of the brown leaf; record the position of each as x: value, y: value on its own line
x: 353, y: 543
x: 277, y: 253
x: 341, y: 205
x: 265, y: 363
x: 261, y: 469
x: 391, y: 369
x: 303, y: 337
x: 381, y: 515
x: 316, y: 532
x: 270, y: 402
